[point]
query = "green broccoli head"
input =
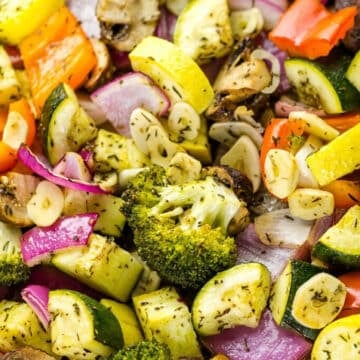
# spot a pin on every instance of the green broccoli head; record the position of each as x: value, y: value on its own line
x: 144, y: 350
x: 182, y: 232
x: 12, y: 268
x: 143, y: 188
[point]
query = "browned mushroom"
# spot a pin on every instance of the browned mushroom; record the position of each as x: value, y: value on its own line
x: 26, y: 353
x: 352, y: 39
x: 102, y: 71
x: 240, y: 81
x: 233, y: 179
x: 15, y: 191
x: 124, y: 23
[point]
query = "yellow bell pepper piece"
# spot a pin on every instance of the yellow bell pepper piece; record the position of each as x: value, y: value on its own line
x: 19, y: 18
x: 339, y: 157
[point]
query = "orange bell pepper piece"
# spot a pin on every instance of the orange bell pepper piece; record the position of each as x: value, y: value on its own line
x: 308, y: 29
x: 8, y: 157
x: 58, y: 51
x: 3, y: 118
x: 346, y: 193
x: 22, y: 108
x: 352, y: 301
x: 343, y: 122
x: 280, y: 134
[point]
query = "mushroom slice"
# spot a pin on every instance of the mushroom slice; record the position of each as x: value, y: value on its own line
x: 244, y: 156
x: 124, y: 23
x: 26, y: 353
x: 102, y: 64
x: 228, y: 132
x: 15, y: 191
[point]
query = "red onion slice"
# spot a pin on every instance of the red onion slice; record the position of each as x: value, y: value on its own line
x: 37, y: 297
x: 91, y: 108
x: 250, y: 248
x: 15, y: 57
x: 268, y: 341
x: 85, y: 11
x: 52, y: 278
x: 166, y: 25
x: 121, y: 96
x: 240, y: 4
x: 72, y: 166
x: 280, y: 228
x: 263, y: 41
x: 88, y: 157
x: 120, y: 59
x: 42, y: 169
x: 38, y: 243
x: 285, y: 105
x: 270, y: 9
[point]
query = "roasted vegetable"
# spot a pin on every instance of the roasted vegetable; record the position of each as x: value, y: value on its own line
x: 339, y: 244
x: 20, y: 326
x: 144, y: 350
x: 203, y: 30
x: 181, y: 230
x: 91, y: 264
x: 12, y: 268
x: 81, y: 327
x: 14, y: 14
x: 164, y: 317
x: 124, y: 23
x: 127, y: 319
x: 15, y: 191
x: 27, y: 353
x: 236, y: 296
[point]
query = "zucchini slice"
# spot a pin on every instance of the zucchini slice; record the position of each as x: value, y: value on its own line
x: 353, y: 71
x: 318, y: 301
x: 64, y: 125
x: 337, y: 158
x: 166, y: 318
x: 113, y: 151
x: 20, y: 326
x: 111, y: 220
x: 340, y: 244
x: 283, y: 292
x: 203, y: 30
x: 102, y: 265
x: 339, y: 340
x: 236, y: 296
x: 81, y: 327
x: 127, y: 319
x: 322, y: 83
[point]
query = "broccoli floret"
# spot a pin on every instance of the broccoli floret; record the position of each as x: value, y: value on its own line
x: 12, y: 268
x: 181, y: 230
x: 144, y: 350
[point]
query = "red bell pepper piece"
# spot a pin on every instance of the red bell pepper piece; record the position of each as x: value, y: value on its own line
x: 308, y: 29
x: 58, y: 51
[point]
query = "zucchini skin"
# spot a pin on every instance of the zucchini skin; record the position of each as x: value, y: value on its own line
x: 81, y: 327
x: 334, y: 67
x: 236, y: 296
x: 328, y: 73
x: 57, y: 97
x: 76, y: 127
x: 335, y: 257
x: 300, y: 272
x: 108, y: 335
x: 340, y: 244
